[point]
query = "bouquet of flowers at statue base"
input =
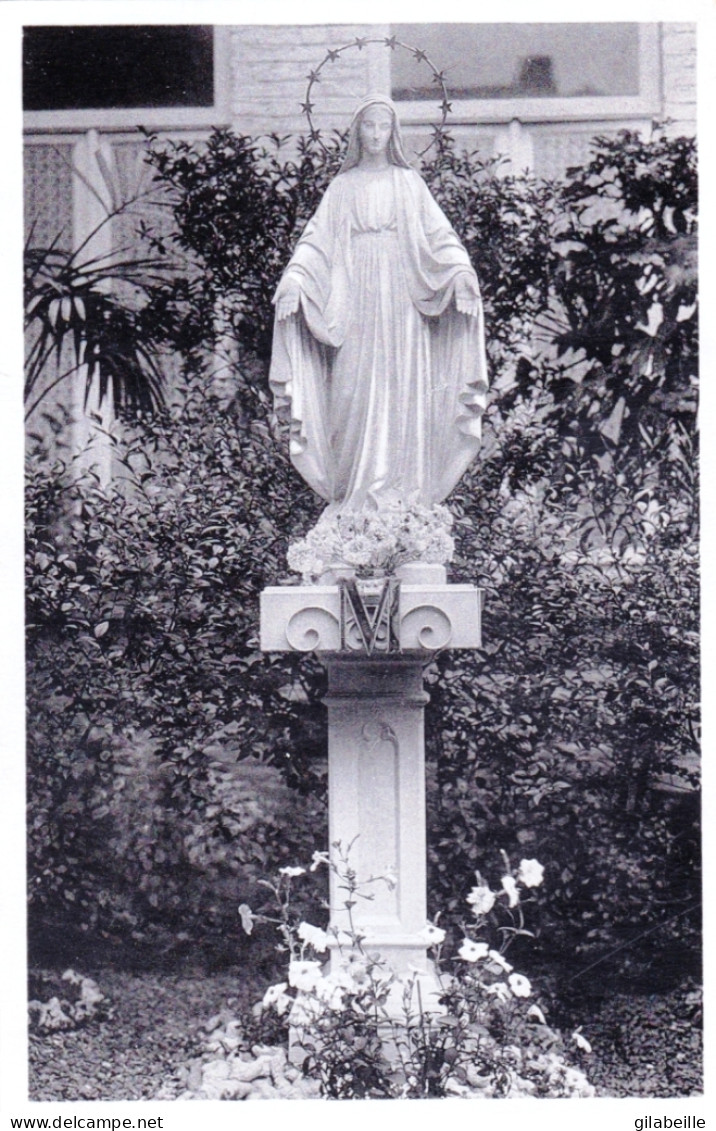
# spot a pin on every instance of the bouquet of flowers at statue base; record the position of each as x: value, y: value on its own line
x: 384, y: 533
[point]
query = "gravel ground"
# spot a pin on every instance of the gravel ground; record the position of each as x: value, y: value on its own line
x: 642, y: 1045
x: 647, y: 1045
x: 152, y: 1028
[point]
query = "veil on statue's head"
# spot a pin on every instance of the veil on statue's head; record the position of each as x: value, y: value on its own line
x: 395, y: 153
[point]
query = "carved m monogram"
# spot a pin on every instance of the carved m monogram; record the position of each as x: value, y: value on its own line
x: 369, y: 616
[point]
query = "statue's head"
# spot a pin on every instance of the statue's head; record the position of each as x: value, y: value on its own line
x: 374, y: 125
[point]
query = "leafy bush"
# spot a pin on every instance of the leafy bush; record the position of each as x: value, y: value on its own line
x: 239, y: 207
x: 580, y: 522
x: 572, y: 734
x: 146, y: 686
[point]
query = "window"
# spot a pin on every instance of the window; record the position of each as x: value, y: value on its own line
x: 115, y: 77
x: 77, y: 68
x: 495, y: 72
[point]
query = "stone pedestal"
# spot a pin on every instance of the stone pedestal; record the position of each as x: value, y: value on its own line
x: 376, y: 776
x: 374, y: 639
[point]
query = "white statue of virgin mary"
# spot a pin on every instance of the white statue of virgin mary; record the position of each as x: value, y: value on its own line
x: 378, y: 353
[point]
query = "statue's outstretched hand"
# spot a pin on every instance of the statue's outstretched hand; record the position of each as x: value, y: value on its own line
x: 467, y: 295
x: 287, y: 299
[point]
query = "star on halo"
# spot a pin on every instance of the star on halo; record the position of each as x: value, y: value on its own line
x: 392, y: 42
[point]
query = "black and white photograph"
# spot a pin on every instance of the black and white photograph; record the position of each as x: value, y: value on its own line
x: 358, y: 672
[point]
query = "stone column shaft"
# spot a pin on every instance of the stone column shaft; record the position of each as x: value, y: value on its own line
x: 376, y: 748
x: 376, y: 775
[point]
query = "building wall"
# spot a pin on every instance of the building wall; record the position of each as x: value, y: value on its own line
x: 678, y: 53
x: 270, y: 67
x: 265, y: 75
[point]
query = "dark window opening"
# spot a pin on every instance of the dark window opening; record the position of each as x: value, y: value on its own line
x: 94, y: 68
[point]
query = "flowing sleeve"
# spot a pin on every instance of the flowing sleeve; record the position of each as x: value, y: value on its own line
x: 436, y: 254
x: 303, y: 342
x: 434, y: 258
x: 319, y: 266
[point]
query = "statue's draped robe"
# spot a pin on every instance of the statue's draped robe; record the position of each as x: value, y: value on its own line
x: 382, y: 379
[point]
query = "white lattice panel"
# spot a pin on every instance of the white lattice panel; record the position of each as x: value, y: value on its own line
x: 132, y: 178
x: 556, y: 152
x: 48, y: 193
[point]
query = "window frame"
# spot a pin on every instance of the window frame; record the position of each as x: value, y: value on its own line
x: 151, y: 117
x: 647, y: 103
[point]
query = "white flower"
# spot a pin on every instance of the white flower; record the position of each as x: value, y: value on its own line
x: 510, y: 887
x: 379, y: 535
x: 301, y: 559
x: 355, y: 968
x: 482, y: 900
x: 530, y: 873
x: 247, y: 917
x: 473, y: 951
x: 319, y: 858
x: 440, y: 548
x: 432, y: 935
x: 277, y: 998
x: 520, y: 985
x: 580, y: 1041
x: 331, y: 990
x: 500, y: 990
x: 536, y: 1012
x: 358, y: 551
x: 274, y: 992
x: 305, y: 1010
x: 576, y: 1081
x: 304, y: 975
x: 291, y: 872
x: 314, y: 936
x: 501, y: 962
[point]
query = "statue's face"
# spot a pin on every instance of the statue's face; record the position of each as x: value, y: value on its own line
x: 376, y: 126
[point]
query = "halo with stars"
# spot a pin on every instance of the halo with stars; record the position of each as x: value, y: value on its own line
x: 392, y: 43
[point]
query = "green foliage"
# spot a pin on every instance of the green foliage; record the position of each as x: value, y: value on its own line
x: 626, y: 289
x: 145, y: 686
x: 103, y: 319
x: 239, y: 207
x: 562, y: 736
x: 571, y: 734
x: 581, y: 524
x: 507, y: 226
